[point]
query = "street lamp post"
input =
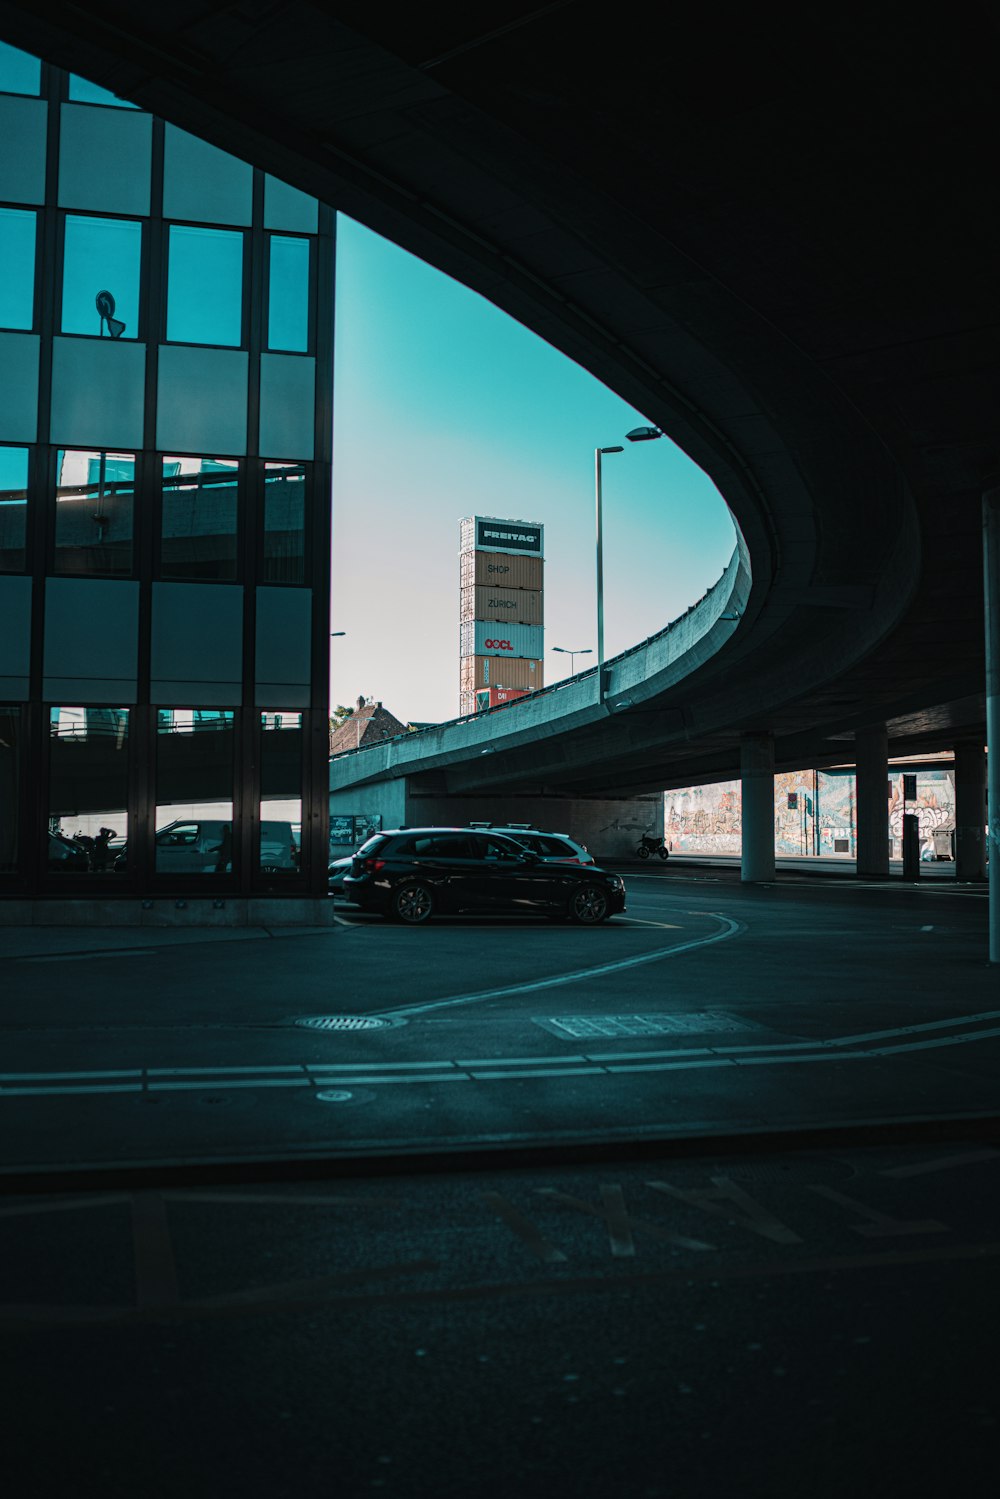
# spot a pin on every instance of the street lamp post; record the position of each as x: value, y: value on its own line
x: 598, y: 452
x: 565, y: 651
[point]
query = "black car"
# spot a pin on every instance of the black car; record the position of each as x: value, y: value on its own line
x: 410, y: 873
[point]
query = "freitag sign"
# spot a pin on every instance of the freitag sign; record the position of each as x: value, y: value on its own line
x: 522, y: 537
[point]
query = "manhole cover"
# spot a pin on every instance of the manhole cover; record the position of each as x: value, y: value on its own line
x: 580, y: 1027
x: 344, y: 1022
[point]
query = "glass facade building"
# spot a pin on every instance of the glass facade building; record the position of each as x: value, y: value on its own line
x: 166, y: 355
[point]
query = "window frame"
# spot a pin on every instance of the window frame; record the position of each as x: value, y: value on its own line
x: 247, y: 235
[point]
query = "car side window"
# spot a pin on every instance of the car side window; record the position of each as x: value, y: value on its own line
x: 496, y: 851
x: 179, y: 837
x: 553, y: 848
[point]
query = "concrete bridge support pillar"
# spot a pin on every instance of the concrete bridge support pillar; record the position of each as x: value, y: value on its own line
x: 991, y: 573
x: 871, y: 749
x: 970, y: 811
x: 757, y: 795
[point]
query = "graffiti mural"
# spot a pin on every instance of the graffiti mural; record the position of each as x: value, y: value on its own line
x: 814, y: 813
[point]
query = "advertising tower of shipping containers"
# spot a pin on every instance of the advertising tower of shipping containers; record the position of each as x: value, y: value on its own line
x: 500, y: 610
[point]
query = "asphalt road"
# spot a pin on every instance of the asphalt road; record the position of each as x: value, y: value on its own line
x: 708, y: 1009
x: 702, y: 1202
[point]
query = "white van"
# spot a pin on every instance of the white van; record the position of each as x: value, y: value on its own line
x: 206, y: 847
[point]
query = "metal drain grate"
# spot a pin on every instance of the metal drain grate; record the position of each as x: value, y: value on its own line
x: 343, y: 1022
x: 581, y: 1027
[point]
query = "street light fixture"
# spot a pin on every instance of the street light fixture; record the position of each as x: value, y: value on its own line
x: 644, y: 434
x: 598, y: 453
x: 565, y: 651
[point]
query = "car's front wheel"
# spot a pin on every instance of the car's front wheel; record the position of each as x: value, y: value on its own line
x: 588, y: 905
x: 412, y: 902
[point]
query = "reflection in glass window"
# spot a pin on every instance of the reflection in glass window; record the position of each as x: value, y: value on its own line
x: 82, y: 91
x: 283, y: 560
x: 200, y: 517
x: 10, y: 738
x: 13, y: 508
x: 101, y: 255
x: 288, y: 295
x: 280, y: 794
x: 94, y: 497
x: 194, y: 792
x: 205, y: 286
x: 88, y: 792
x: 17, y: 256
x: 20, y: 73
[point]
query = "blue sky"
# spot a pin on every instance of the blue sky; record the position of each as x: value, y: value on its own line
x: 444, y: 407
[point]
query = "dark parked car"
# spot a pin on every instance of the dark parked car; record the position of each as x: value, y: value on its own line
x: 335, y: 872
x: 546, y: 845
x: 410, y: 873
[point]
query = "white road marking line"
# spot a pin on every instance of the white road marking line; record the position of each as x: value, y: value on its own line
x: 481, y: 1077
x: 55, y: 1077
x: 593, y: 1065
x: 522, y: 1061
x: 730, y: 929
x: 103, y: 1088
x: 960, y: 1040
x: 908, y: 1030
x: 231, y: 1082
x: 367, y: 1066
x: 218, y: 1071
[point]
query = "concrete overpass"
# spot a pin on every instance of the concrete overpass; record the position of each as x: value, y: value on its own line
x: 767, y: 235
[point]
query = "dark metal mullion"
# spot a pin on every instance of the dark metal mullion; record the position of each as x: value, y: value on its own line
x: 316, y: 792
x: 142, y: 728
x: 41, y: 474
x: 248, y: 780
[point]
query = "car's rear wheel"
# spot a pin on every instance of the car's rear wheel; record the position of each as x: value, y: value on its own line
x: 412, y: 902
x: 588, y: 905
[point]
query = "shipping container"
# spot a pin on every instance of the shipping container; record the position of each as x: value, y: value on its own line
x: 489, y: 569
x: 488, y: 533
x: 487, y: 637
x: 521, y: 605
x: 495, y: 697
x: 490, y: 671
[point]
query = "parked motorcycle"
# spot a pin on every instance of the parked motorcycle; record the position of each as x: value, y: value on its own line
x: 649, y: 845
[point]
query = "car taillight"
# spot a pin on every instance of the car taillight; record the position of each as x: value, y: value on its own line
x: 372, y: 866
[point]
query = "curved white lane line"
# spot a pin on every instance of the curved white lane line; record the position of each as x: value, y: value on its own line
x: 730, y: 929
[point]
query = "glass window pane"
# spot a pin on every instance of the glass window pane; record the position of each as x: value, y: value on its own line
x: 200, y: 514
x: 288, y: 299
x: 202, y: 183
x: 88, y: 792
x: 17, y: 256
x: 284, y: 523
x: 281, y: 794
x: 194, y: 792
x: 13, y: 509
x: 101, y: 255
x: 82, y: 91
x: 94, y: 496
x: 205, y: 286
x: 20, y: 73
x: 10, y: 736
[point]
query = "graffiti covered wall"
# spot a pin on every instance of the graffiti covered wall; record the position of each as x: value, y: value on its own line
x: 814, y: 813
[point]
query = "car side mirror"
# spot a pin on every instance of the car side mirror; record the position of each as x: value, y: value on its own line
x: 528, y: 857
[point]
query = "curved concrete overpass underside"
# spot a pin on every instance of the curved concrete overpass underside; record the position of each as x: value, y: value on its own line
x: 770, y: 234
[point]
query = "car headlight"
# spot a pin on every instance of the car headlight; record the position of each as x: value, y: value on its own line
x: 616, y: 883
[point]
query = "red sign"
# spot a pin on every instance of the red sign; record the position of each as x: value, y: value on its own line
x: 498, y: 645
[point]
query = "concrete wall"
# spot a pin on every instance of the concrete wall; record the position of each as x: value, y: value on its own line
x: 610, y: 827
